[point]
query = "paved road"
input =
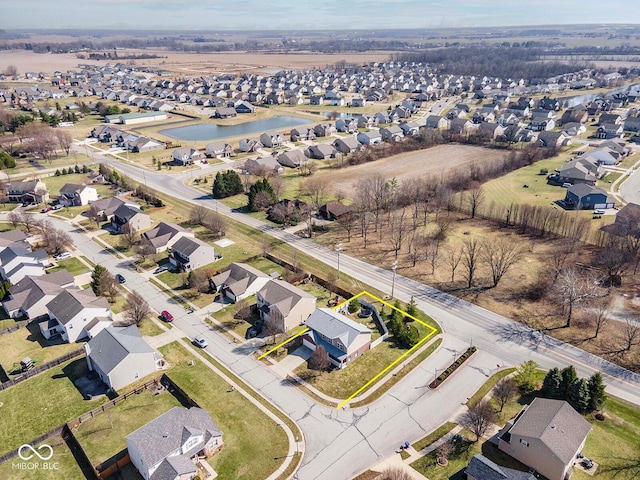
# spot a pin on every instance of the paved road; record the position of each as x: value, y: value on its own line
x: 341, y: 443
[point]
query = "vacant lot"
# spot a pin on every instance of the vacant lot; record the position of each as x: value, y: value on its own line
x: 421, y: 163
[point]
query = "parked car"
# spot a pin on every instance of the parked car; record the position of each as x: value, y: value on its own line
x: 254, y: 330
x: 599, y: 211
x: 62, y: 256
x: 46, y: 209
x: 166, y: 316
x: 160, y: 269
x: 120, y: 278
x: 200, y: 341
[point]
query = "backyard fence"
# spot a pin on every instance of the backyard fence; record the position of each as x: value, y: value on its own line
x: 45, y: 366
x: 14, y: 453
x: 15, y: 327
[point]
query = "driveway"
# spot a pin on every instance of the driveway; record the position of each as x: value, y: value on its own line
x: 288, y: 364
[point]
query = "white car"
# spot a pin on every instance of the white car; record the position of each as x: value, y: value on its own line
x: 200, y: 341
x: 62, y: 256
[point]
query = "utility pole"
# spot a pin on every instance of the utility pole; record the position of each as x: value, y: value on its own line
x: 394, y: 266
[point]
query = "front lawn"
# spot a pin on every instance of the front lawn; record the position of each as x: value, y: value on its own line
x: 71, y: 265
x: 255, y: 445
x: 46, y: 401
x: 29, y: 342
x: 103, y: 436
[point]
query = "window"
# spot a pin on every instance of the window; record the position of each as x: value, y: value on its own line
x: 524, y: 442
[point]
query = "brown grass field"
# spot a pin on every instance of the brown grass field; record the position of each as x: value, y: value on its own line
x: 420, y: 163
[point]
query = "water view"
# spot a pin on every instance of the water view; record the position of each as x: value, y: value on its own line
x: 203, y: 131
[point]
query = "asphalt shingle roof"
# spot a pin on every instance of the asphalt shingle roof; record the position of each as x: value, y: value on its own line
x: 112, y: 345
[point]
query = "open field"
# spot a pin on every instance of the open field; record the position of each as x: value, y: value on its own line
x: 420, y: 163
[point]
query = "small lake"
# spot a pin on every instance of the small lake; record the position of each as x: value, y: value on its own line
x: 202, y: 132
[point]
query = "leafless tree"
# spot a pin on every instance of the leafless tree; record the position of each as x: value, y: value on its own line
x: 630, y: 333
x: 415, y: 241
x: 319, y: 359
x: 307, y: 167
x: 559, y: 257
x: 471, y: 252
x: 572, y: 288
x: 505, y: 390
x: 15, y: 218
x: 614, y: 260
x: 129, y: 236
x: 432, y: 254
x: 29, y: 221
x: 374, y: 193
x: 199, y: 281
x: 108, y: 286
x: 397, y: 231
x: 445, y: 449
x: 348, y: 223
x: 136, y: 308
x: 453, y: 258
x: 395, y: 473
x: 198, y: 215
x: 475, y: 198
x: 263, y: 200
x: 315, y: 190
x: 272, y: 329
x: 478, y: 418
x: 95, y: 215
x: 64, y: 140
x: 42, y: 140
x: 56, y: 240
x: 242, y: 309
x: 277, y: 184
x: 216, y: 224
x: 265, y: 244
x: 501, y: 255
x: 598, y: 309
x: 11, y: 71
x: 145, y: 249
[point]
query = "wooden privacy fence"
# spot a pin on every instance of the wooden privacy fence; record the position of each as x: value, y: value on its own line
x: 45, y: 366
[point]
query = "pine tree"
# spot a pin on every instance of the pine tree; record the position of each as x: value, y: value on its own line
x: 98, y: 271
x: 233, y: 182
x: 551, y: 383
x: 412, y: 308
x: 255, y: 191
x: 579, y: 397
x: 219, y: 186
x: 569, y: 376
x: 596, y: 392
x: 525, y: 376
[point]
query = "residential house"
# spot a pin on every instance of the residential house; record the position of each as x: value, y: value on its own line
x: 77, y: 195
x: 302, y: 133
x: 346, y: 125
x: 218, y: 150
x: 28, y: 298
x: 271, y: 139
x: 128, y: 216
x: 577, y: 114
x: 342, y: 338
x: 189, y: 253
x: 609, y: 130
x: 334, y: 211
x: 186, y: 155
x: 492, y: 131
x: 546, y: 435
x: 460, y: 126
x: 75, y: 314
x: 239, y: 281
x: 367, y: 121
x: 392, y: 133
x: 225, y: 112
x: 120, y: 356
x: 358, y: 101
x: 587, y: 197
x: 322, y: 151
x: 106, y: 207
x: 573, y: 129
x: 627, y: 221
x: 34, y: 191
x: 316, y: 100
x: 632, y: 124
x: 169, y: 446
x: 610, y: 119
x: 292, y: 158
x: 347, y: 145
x: 18, y: 262
x: 436, y: 121
x: 542, y: 124
x: 481, y: 468
x: 553, y: 139
x: 372, y: 137
x: 249, y: 145
x: 14, y: 238
x: 244, y: 107
x: 165, y: 234
x: 603, y: 156
x: 284, y: 304
x: 409, y: 128
x: 263, y: 165
x: 324, y: 129
x: 580, y: 170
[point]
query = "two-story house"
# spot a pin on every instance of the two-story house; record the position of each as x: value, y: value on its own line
x: 284, y: 304
x: 72, y: 195
x: 191, y: 253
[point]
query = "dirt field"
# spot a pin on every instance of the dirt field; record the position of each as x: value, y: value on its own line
x: 421, y: 163
x: 188, y: 63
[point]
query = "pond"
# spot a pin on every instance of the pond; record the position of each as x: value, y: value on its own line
x: 202, y: 131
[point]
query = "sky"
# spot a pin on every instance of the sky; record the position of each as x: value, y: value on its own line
x: 300, y: 14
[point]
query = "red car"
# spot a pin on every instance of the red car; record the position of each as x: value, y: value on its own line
x: 166, y: 316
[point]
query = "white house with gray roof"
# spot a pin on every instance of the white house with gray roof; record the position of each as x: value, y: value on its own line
x: 239, y: 281
x: 120, y: 356
x: 167, y: 448
x: 77, y: 195
x: 191, y: 253
x: 342, y: 338
x: 75, y: 314
x: 18, y: 262
x: 546, y: 435
x: 29, y: 297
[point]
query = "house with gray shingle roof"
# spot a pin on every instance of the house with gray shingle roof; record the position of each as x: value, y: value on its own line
x: 167, y: 448
x: 75, y: 314
x: 546, y: 435
x: 165, y: 234
x: 191, y: 253
x: 342, y: 338
x: 130, y: 216
x: 18, y: 262
x: 239, y: 281
x: 481, y: 468
x: 77, y: 195
x: 284, y: 304
x: 29, y: 297
x: 120, y: 356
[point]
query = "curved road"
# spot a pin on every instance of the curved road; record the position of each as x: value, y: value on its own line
x: 341, y: 443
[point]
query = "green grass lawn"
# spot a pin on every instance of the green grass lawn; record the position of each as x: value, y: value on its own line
x: 438, y: 433
x: 62, y: 459
x: 27, y: 412
x: 254, y: 444
x: 71, y: 265
x: 489, y: 384
x: 29, y: 342
x: 103, y: 436
x: 116, y: 242
x: 149, y: 328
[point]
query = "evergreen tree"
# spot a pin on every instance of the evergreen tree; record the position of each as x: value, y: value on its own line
x: 579, y: 395
x: 77, y: 169
x: 97, y: 274
x: 551, y: 383
x: 233, y: 182
x: 596, y: 392
x: 412, y: 308
x: 58, y: 173
x: 85, y: 169
x: 569, y: 376
x: 256, y: 197
x: 525, y: 376
x: 219, y: 186
x: 409, y: 336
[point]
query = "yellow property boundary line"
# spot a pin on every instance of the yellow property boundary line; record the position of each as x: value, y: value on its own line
x: 390, y: 366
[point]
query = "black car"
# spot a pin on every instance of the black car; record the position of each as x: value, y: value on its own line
x: 254, y: 330
x: 120, y: 278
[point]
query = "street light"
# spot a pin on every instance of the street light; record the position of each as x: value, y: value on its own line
x: 394, y: 266
x: 338, y: 250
